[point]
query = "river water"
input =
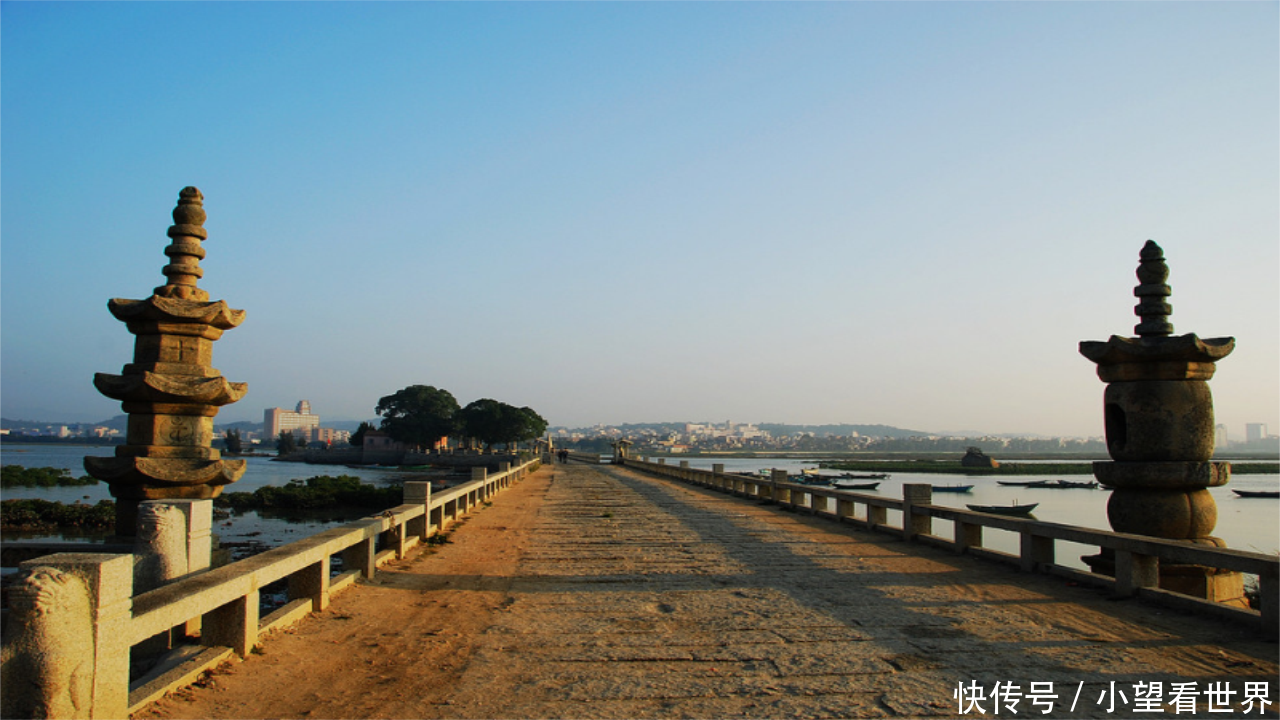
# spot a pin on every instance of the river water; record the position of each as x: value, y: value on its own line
x: 1245, y: 523
x: 248, y: 527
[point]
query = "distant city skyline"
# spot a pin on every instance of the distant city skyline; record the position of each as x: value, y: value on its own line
x: 875, y: 213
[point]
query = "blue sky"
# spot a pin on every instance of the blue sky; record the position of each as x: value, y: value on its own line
x: 899, y: 213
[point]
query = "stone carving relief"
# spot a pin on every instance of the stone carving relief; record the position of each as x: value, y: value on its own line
x: 160, y: 552
x: 47, y: 659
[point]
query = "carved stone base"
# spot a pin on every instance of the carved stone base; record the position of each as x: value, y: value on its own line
x: 1212, y: 584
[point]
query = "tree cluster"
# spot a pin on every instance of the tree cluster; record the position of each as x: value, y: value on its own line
x: 421, y: 415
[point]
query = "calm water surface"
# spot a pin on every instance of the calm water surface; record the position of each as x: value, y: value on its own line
x: 1246, y: 524
x: 248, y: 526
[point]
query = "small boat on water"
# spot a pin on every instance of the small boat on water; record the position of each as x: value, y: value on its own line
x: 1051, y: 484
x: 953, y: 488
x: 855, y: 486
x: 1004, y: 509
x: 1066, y: 485
x: 1257, y: 493
x: 867, y: 476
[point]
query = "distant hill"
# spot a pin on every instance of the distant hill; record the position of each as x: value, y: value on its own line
x: 119, y: 422
x: 779, y: 429
x: 774, y: 429
x: 348, y: 425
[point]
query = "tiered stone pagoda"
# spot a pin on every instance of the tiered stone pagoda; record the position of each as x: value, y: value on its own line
x: 169, y: 390
x: 1158, y: 415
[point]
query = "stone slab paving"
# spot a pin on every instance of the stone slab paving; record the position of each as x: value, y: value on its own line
x: 639, y: 597
x: 600, y: 592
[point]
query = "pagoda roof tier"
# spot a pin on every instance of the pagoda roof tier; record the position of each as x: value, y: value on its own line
x: 160, y: 473
x: 157, y: 309
x: 1182, y: 357
x: 164, y: 388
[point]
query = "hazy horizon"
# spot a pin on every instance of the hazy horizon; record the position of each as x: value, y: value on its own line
x: 905, y: 214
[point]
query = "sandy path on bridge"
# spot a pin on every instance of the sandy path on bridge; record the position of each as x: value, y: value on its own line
x: 588, y: 592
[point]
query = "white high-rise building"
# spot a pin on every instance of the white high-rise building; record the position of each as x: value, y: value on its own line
x: 1255, y: 431
x: 278, y: 420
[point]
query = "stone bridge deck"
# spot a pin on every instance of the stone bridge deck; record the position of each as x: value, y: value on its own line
x: 597, y: 592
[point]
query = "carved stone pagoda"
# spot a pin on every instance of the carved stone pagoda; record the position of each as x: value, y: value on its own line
x: 170, y: 391
x: 1158, y: 415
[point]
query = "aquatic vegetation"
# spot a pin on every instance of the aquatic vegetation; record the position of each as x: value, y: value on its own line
x: 19, y: 476
x: 34, y: 514
x: 318, y: 492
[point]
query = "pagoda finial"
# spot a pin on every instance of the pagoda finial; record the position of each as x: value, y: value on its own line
x: 1151, y: 293
x: 185, y: 252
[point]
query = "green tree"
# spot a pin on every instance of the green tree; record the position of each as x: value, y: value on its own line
x: 483, y: 420
x: 286, y: 443
x: 234, y: 445
x: 357, y: 437
x: 530, y: 425
x: 492, y: 422
x: 418, y: 415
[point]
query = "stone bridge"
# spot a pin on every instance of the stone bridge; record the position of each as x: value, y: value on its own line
x: 605, y: 591
x: 641, y: 589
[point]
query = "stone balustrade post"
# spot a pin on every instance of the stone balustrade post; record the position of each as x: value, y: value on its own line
x: 1135, y: 571
x: 779, y: 495
x: 199, y: 515
x: 234, y: 625
x: 1036, y: 551
x: 418, y: 492
x: 914, y: 494
x: 69, y: 621
x: 818, y: 503
x: 362, y: 557
x: 312, y: 583
x: 1269, y: 597
x: 877, y: 516
x: 967, y: 535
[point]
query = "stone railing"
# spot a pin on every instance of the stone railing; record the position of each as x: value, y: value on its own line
x: 592, y: 458
x: 221, y: 603
x: 1137, y: 557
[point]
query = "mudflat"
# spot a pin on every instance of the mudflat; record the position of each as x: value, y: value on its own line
x: 599, y: 592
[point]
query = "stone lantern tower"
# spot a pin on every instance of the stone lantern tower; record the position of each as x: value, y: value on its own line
x: 621, y: 451
x: 169, y: 390
x: 1158, y: 415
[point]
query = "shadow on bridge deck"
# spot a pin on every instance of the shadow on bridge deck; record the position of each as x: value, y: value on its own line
x: 601, y: 592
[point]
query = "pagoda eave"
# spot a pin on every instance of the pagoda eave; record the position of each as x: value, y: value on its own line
x: 160, y: 309
x: 163, y: 388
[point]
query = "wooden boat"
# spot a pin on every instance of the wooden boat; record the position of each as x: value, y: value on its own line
x: 1051, y: 484
x: 1066, y: 485
x: 1004, y: 509
x: 855, y: 486
x: 1257, y: 493
x: 953, y: 488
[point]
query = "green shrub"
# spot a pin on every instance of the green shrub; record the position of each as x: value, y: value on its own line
x: 35, y: 514
x: 19, y: 476
x: 315, y: 493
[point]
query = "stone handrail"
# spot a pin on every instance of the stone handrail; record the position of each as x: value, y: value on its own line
x: 1138, y: 557
x: 223, y: 603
